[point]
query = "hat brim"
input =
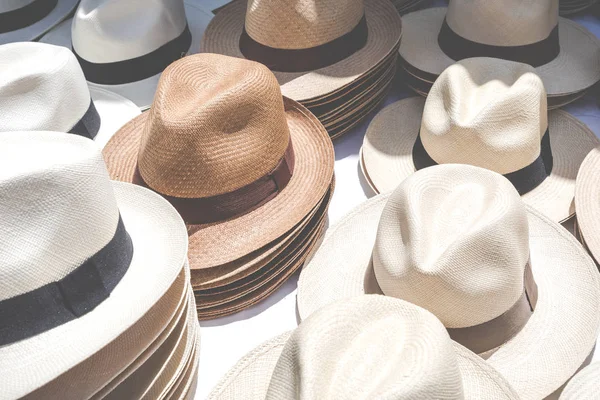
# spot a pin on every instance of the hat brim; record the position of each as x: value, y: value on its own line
x: 587, y: 193
x: 141, y: 92
x: 211, y: 245
x: 557, y: 338
x: 222, y: 36
x: 252, y: 374
x: 576, y: 68
x: 114, y: 110
x: 389, y: 140
x: 160, y: 245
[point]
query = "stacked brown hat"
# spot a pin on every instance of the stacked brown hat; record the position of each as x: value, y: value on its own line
x: 337, y: 58
x: 565, y: 54
x: 568, y: 7
x: 250, y: 172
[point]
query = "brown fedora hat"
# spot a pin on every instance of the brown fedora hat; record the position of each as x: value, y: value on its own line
x: 240, y: 163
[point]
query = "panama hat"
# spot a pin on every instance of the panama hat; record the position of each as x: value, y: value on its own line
x: 587, y: 193
x: 42, y: 88
x: 84, y: 261
x: 129, y: 61
x: 458, y: 241
x: 365, y: 348
x: 489, y: 113
x: 565, y: 54
x: 585, y: 385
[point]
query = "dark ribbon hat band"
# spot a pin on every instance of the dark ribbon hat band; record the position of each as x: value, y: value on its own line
x: 534, y: 54
x: 89, y: 125
x: 302, y: 60
x: 524, y: 180
x: 139, y: 68
x: 75, y: 295
x: 228, y: 205
x: 26, y: 16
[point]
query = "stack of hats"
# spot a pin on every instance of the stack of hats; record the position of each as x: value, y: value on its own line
x: 337, y: 57
x: 250, y: 172
x: 94, y: 292
x: 565, y: 54
x: 568, y: 7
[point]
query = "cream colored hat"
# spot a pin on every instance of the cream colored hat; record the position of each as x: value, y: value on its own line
x: 369, y: 347
x: 129, y: 61
x: 42, y: 88
x: 458, y: 241
x: 565, y: 54
x: 83, y: 258
x: 587, y: 202
x: 313, y: 47
x: 585, y: 385
x: 489, y: 113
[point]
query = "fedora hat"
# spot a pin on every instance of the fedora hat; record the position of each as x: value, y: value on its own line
x: 129, y: 61
x: 25, y: 20
x: 369, y: 347
x: 565, y: 54
x: 241, y: 164
x: 585, y: 385
x: 313, y: 47
x: 458, y: 241
x: 42, y: 88
x: 84, y: 261
x: 587, y: 192
x: 489, y: 113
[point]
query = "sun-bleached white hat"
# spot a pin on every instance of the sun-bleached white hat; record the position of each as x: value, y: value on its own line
x: 585, y: 385
x: 587, y: 204
x: 369, y: 347
x: 566, y: 55
x: 489, y: 113
x: 124, y: 46
x: 42, y: 88
x: 83, y: 258
x: 458, y: 241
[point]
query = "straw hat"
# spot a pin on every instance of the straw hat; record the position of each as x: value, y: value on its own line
x: 313, y: 47
x: 25, y: 20
x: 458, y: 241
x: 125, y: 61
x: 587, y: 192
x: 585, y: 385
x: 565, y: 54
x: 242, y: 165
x: 42, y: 88
x: 489, y: 113
x: 68, y: 233
x: 369, y: 347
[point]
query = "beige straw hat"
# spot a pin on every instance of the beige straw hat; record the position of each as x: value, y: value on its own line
x: 313, y: 47
x: 369, y: 347
x: 458, y: 241
x: 585, y: 385
x: 108, y: 252
x: 565, y: 54
x: 587, y: 204
x: 489, y: 113
x: 242, y: 165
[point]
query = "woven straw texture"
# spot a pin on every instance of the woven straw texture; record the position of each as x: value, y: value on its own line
x: 587, y: 193
x: 585, y: 385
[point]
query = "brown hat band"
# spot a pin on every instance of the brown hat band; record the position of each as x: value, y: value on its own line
x: 228, y: 205
x: 302, y: 60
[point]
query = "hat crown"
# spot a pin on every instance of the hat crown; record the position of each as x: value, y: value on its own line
x: 57, y: 205
x: 503, y: 23
x: 486, y: 112
x: 42, y: 88
x: 454, y: 239
x: 217, y: 124
x: 105, y: 31
x: 11, y: 5
x: 301, y: 24
x: 368, y: 347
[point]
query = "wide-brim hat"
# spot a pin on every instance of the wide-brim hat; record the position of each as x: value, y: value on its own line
x: 587, y: 193
x: 223, y: 34
x: 584, y: 385
x: 141, y: 92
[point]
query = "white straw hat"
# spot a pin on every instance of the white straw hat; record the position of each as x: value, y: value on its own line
x: 489, y: 113
x: 565, y: 54
x: 458, y: 241
x: 42, y: 88
x: 369, y: 347
x: 585, y: 385
x: 587, y: 193
x: 25, y: 20
x: 129, y: 61
x: 83, y: 258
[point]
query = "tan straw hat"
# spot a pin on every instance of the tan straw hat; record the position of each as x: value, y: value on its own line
x: 85, y: 261
x: 458, y: 241
x: 242, y: 165
x: 314, y: 47
x: 565, y: 54
x: 489, y: 113
x: 585, y: 385
x: 587, y: 202
x: 369, y: 347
